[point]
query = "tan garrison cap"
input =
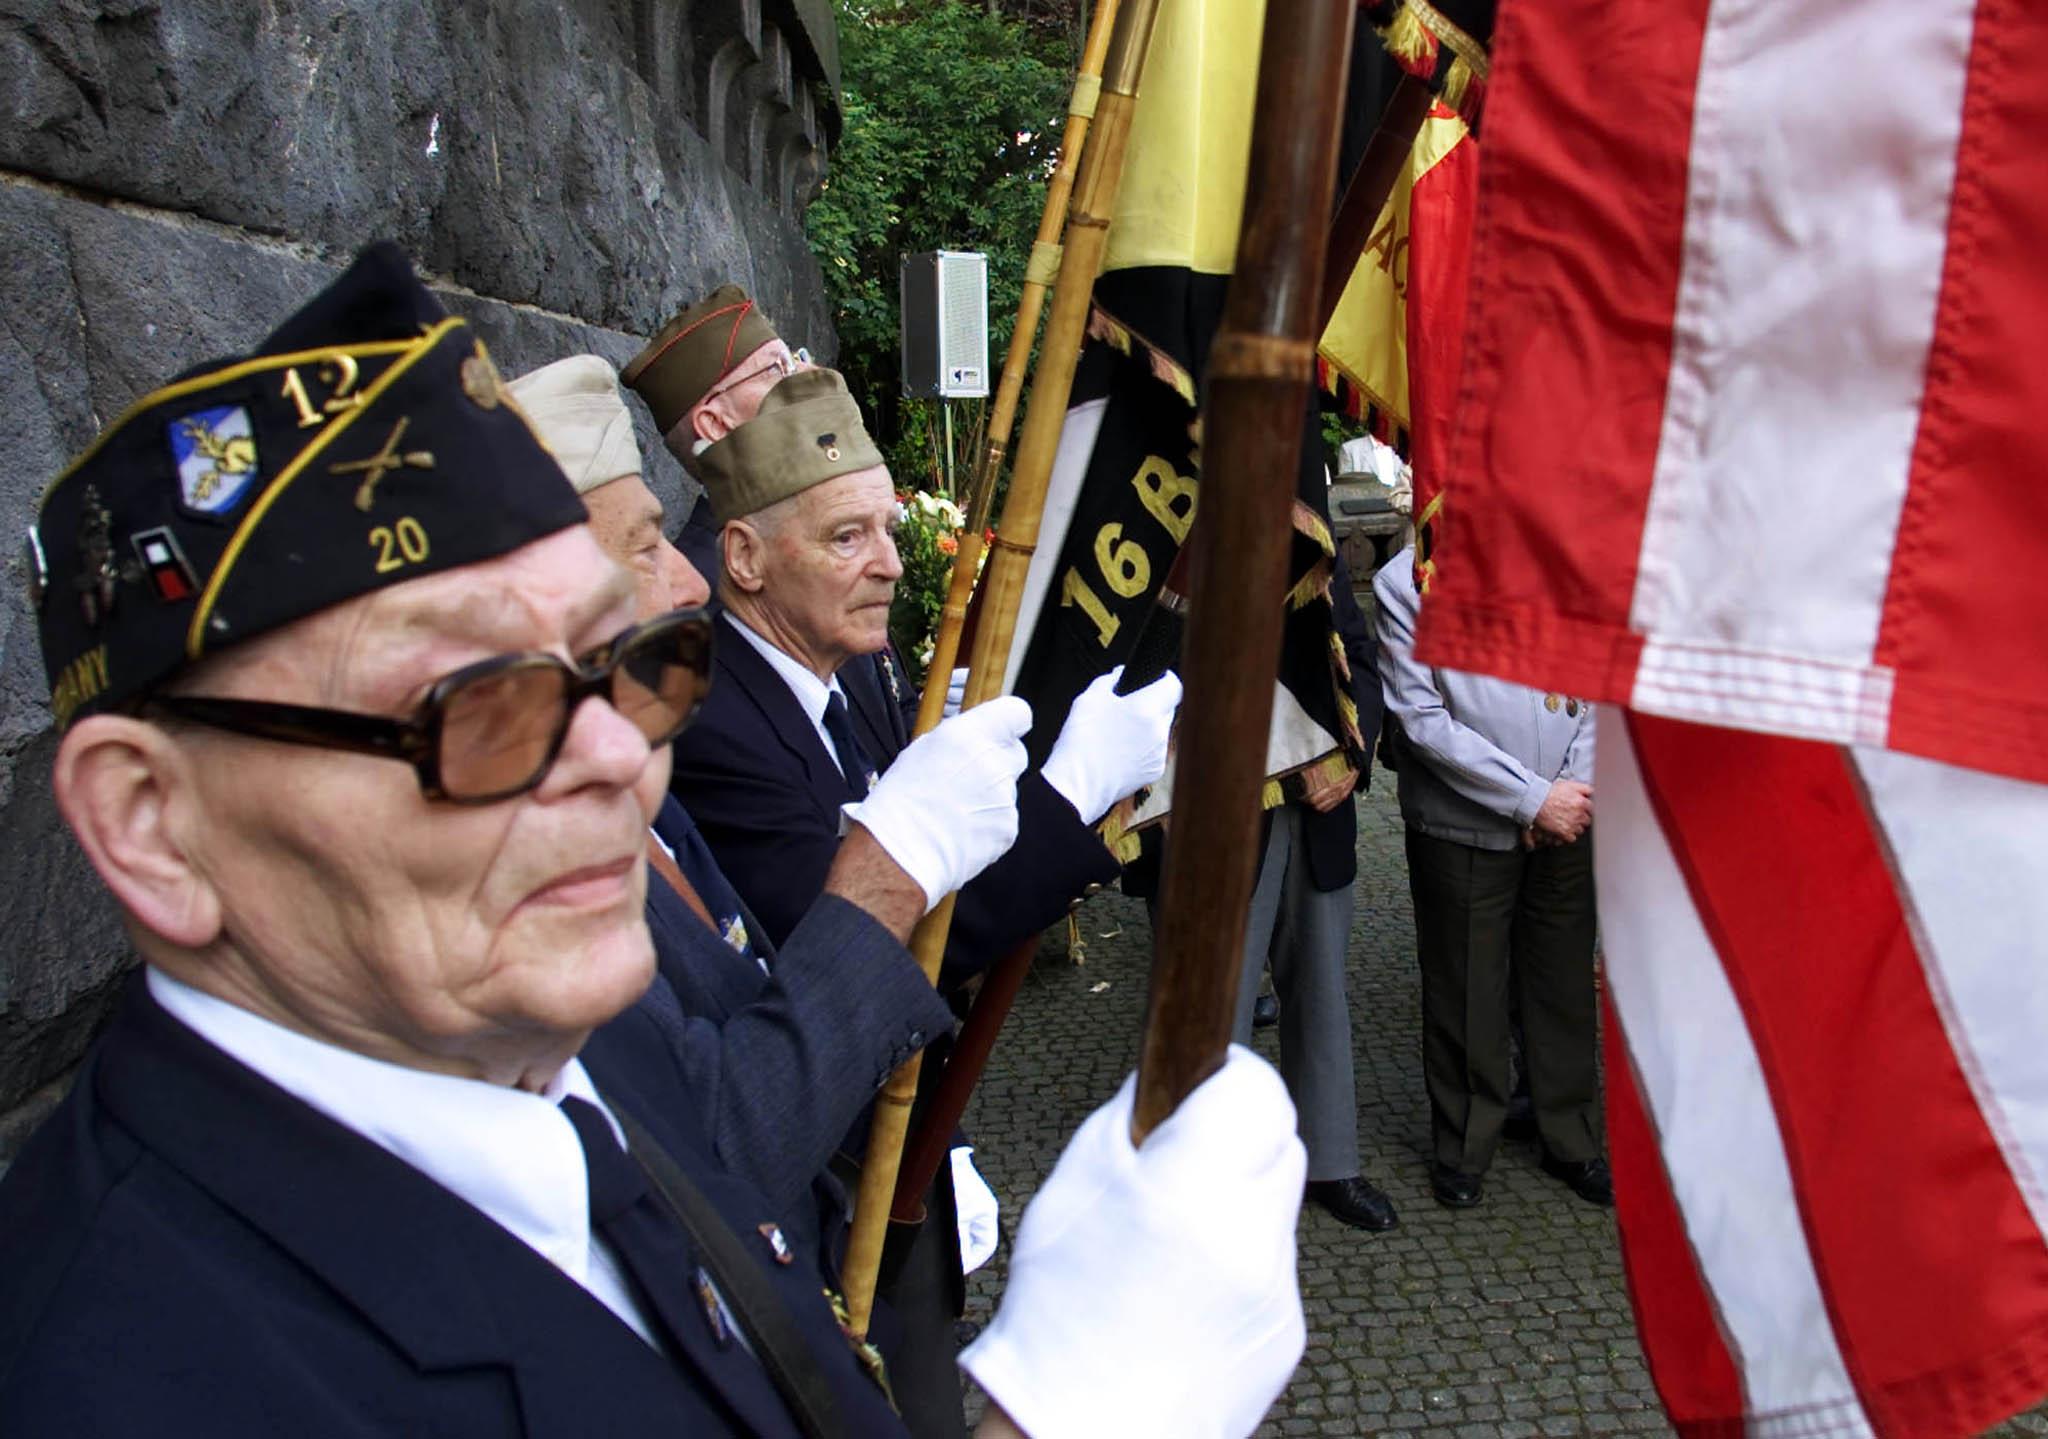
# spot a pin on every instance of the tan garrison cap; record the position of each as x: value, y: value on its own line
x: 809, y: 431
x: 693, y: 352
x: 574, y: 406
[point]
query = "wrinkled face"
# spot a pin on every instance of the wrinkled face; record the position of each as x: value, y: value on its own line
x: 736, y: 398
x: 453, y: 937
x: 831, y: 566
x: 626, y: 519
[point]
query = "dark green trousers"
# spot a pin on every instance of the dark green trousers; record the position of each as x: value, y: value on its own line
x: 1485, y: 919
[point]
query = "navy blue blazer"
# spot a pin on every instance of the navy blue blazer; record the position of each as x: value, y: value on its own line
x: 778, y: 1068
x: 766, y: 792
x: 188, y: 1249
x: 1332, y: 839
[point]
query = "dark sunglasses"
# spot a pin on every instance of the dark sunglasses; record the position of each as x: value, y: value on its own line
x: 491, y: 730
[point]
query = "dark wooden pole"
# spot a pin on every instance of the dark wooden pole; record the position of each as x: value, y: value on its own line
x: 1371, y: 183
x: 932, y: 1141
x: 1260, y: 372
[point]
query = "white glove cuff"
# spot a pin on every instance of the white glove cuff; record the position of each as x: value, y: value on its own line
x: 1068, y: 775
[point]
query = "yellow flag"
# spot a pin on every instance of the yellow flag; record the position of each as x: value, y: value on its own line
x: 1363, y: 357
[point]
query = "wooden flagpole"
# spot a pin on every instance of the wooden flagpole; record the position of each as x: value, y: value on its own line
x: 1094, y: 195
x: 1260, y: 371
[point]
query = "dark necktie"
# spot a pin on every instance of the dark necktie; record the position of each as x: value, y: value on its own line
x: 855, y: 765
x: 672, y: 1243
x: 652, y: 1250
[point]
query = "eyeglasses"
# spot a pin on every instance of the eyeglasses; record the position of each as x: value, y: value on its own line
x: 783, y: 365
x: 491, y: 730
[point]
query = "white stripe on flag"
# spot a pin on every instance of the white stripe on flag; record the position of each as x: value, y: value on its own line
x: 1703, y: 1086
x: 1967, y: 849
x: 1062, y: 489
x: 1837, y: 703
x: 1823, y: 155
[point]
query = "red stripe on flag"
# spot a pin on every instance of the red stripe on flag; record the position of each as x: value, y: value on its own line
x: 1963, y: 614
x: 1440, y: 211
x: 1582, y: 200
x: 1681, y: 1333
x: 1933, y: 1270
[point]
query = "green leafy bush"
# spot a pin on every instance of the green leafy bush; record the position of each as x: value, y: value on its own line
x: 953, y: 122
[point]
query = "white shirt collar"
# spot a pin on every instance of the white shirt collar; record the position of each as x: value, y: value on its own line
x: 512, y: 1154
x: 812, y: 693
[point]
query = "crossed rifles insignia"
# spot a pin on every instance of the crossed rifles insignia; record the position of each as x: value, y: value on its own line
x: 374, y: 467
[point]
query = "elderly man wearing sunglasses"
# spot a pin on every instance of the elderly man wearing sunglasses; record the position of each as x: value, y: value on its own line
x: 360, y: 730
x: 780, y: 1069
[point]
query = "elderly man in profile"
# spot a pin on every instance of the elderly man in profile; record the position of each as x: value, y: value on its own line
x: 361, y: 734
x: 703, y: 376
x: 799, y: 726
x: 794, y: 729
x: 785, y: 1067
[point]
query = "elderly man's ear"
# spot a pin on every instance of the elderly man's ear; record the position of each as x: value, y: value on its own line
x: 711, y: 422
x: 745, y: 553
x: 127, y: 790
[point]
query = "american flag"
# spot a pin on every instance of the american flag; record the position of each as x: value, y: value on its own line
x: 1752, y: 443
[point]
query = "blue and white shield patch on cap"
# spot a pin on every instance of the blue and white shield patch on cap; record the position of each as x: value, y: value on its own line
x: 215, y: 451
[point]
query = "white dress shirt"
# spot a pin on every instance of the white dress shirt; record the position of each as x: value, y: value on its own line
x: 812, y: 693
x: 512, y: 1154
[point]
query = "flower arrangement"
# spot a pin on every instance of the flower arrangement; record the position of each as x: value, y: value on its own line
x: 927, y: 538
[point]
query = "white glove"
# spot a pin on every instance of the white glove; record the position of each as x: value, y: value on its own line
x: 947, y: 808
x: 1112, y: 745
x: 978, y: 1210
x: 956, y: 694
x: 1153, y: 1291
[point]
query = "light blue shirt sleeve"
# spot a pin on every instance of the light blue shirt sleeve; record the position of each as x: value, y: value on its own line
x: 1460, y: 756
x: 1578, y: 758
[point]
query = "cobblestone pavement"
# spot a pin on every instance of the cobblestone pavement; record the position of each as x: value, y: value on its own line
x: 1506, y: 1320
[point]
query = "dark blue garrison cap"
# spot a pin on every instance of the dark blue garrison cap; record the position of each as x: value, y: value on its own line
x: 366, y: 442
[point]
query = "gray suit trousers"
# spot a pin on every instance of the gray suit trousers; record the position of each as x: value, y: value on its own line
x: 1305, y: 933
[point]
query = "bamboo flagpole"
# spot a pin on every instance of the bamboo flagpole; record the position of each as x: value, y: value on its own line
x: 1261, y: 368
x: 1094, y: 195
x: 1039, y: 272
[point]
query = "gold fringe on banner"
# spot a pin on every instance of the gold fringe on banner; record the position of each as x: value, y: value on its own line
x: 1424, y: 42
x: 1117, y: 335
x: 1457, y: 84
x: 1313, y: 586
x: 1410, y: 42
x: 1309, y: 525
x: 1347, y: 708
x: 1117, y: 835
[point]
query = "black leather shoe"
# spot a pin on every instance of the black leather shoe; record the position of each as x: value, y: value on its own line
x: 1587, y: 1178
x: 1454, y: 1188
x: 1355, y: 1201
x: 1265, y: 1011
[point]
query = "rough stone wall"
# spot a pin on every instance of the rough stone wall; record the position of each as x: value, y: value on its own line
x: 175, y: 177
